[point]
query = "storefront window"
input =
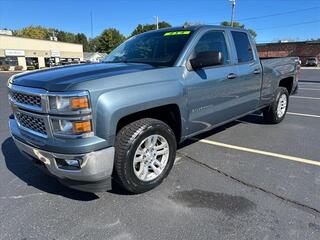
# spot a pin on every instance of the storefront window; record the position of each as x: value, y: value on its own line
x: 11, y: 61
x: 50, y: 62
x: 32, y: 62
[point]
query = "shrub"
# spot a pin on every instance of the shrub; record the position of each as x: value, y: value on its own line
x: 18, y: 68
x: 5, y: 67
x: 31, y: 68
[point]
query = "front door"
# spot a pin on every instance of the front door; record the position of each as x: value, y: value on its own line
x: 210, y: 90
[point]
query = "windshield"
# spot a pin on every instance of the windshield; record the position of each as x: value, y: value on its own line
x: 154, y: 48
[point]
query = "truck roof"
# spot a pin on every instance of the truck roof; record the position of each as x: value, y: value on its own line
x: 197, y: 27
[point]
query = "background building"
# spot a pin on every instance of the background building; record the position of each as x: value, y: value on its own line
x: 94, y: 56
x: 27, y: 52
x: 303, y: 50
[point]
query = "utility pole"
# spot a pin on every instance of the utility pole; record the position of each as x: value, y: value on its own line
x: 157, y: 21
x: 233, y: 5
x: 91, y: 18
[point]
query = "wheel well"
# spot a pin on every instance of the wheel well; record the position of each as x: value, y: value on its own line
x: 170, y: 114
x: 287, y: 83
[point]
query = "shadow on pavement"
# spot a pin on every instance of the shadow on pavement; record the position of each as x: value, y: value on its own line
x: 33, y: 176
x: 249, y: 119
x: 27, y: 172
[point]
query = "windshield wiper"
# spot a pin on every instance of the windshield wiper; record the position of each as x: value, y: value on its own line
x: 126, y: 61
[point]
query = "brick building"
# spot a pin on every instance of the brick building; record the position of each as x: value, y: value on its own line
x: 303, y: 50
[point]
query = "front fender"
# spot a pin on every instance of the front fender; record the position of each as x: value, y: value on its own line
x: 118, y: 103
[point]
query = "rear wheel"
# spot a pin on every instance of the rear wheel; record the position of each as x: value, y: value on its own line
x: 277, y: 110
x: 145, y: 153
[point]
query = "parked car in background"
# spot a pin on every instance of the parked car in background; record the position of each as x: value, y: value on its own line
x: 297, y: 60
x: 122, y: 119
x: 312, y: 61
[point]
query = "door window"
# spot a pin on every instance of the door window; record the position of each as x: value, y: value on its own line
x: 243, y: 46
x: 213, y: 41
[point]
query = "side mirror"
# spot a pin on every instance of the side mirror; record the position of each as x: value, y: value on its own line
x: 206, y: 59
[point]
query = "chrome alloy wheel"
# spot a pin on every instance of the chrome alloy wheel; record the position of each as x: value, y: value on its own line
x: 150, y: 158
x: 282, y: 106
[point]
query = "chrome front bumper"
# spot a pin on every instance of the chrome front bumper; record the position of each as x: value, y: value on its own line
x: 96, y: 166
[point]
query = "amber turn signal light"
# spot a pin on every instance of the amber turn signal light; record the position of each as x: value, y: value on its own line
x: 82, y: 127
x: 79, y: 102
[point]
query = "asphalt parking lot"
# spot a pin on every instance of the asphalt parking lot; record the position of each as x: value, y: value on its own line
x: 245, y: 180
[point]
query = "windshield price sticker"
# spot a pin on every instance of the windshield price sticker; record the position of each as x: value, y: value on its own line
x: 177, y: 33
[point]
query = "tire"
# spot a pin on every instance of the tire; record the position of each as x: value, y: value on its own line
x: 140, y: 137
x: 271, y: 114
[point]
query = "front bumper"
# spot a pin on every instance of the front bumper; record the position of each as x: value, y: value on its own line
x: 94, y: 174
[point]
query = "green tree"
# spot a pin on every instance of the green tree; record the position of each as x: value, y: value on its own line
x: 141, y: 28
x: 239, y: 25
x: 36, y: 32
x: 65, y: 36
x: 93, y: 43
x: 82, y: 39
x: 108, y: 40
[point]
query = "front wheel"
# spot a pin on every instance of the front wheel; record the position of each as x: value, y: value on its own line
x: 145, y: 153
x: 277, y: 110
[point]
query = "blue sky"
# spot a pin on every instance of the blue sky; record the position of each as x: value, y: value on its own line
x: 74, y: 15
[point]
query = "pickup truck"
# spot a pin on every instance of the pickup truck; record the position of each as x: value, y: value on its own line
x: 120, y: 121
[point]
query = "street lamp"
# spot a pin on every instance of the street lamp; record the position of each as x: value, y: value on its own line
x: 233, y: 5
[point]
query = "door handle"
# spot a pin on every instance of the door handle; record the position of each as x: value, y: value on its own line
x: 256, y: 71
x: 232, y: 76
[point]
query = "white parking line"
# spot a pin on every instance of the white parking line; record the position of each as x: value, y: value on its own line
x: 310, y: 89
x: 266, y: 153
x: 313, y: 98
x: 309, y: 83
x: 303, y: 114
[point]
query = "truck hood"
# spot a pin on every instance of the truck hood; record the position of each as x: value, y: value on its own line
x: 61, y: 78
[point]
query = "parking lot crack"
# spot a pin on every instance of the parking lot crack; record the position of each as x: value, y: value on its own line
x: 317, y: 211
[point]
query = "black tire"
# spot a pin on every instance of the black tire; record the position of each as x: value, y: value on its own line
x: 127, y: 141
x: 270, y: 114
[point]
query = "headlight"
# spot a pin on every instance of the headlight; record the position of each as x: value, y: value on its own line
x: 72, y: 127
x: 62, y: 104
x: 10, y: 80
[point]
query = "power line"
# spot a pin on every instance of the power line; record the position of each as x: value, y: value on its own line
x: 289, y: 25
x: 272, y: 15
x: 249, y: 18
x: 278, y: 14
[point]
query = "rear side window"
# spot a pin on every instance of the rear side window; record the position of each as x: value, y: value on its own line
x: 243, y: 47
x: 213, y: 41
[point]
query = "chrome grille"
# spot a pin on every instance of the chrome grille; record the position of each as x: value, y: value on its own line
x: 26, y: 98
x: 33, y: 123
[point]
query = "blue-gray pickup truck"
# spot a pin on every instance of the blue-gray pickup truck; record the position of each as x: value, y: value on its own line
x: 121, y: 120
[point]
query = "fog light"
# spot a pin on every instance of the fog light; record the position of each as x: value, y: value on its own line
x: 68, y: 164
x: 73, y: 162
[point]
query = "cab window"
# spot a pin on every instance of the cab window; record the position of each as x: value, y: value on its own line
x: 243, y: 46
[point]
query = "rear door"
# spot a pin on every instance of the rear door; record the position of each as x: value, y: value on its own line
x: 249, y: 73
